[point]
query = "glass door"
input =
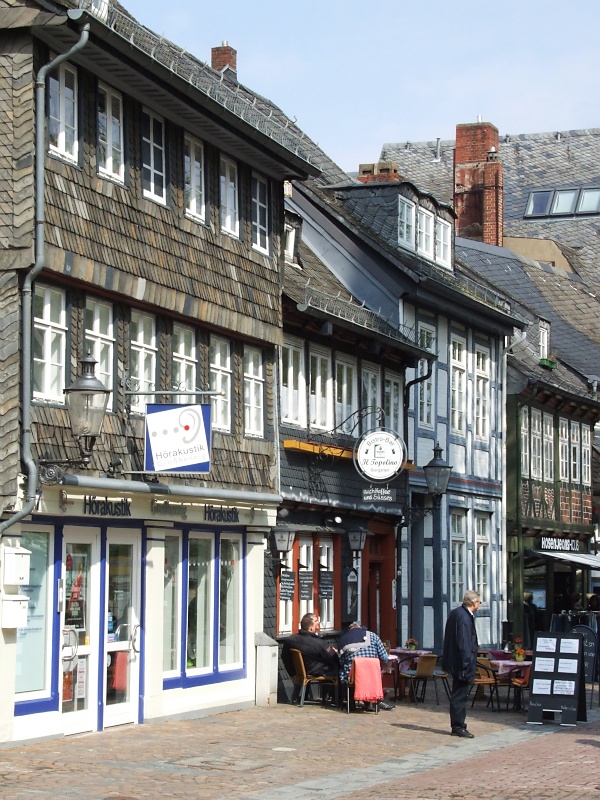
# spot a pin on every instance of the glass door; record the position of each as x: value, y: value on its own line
x: 79, y: 609
x: 122, y: 615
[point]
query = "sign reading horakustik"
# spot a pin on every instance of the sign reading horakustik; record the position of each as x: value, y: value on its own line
x: 177, y: 438
x: 379, y: 454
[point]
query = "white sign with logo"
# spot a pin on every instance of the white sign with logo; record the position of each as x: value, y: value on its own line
x: 380, y: 454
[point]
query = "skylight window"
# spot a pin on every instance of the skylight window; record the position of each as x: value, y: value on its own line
x: 538, y: 205
x: 563, y: 202
x: 589, y: 201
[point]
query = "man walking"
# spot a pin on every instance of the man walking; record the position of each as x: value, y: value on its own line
x: 460, y: 659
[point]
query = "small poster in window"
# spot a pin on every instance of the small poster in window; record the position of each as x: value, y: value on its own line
x: 305, y: 580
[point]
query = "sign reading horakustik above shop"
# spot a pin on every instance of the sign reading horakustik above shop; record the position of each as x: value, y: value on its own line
x: 177, y: 438
x: 103, y: 507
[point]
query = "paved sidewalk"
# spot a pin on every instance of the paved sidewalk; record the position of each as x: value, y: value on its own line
x: 313, y: 752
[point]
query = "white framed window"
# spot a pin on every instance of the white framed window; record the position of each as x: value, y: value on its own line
x: 172, y: 605
x: 193, y: 177
x: 143, y: 358
x: 230, y: 602
x: 482, y: 557
x: 99, y: 338
x: 49, y: 343
x: 320, y: 395
x: 482, y: 393
x: 586, y: 455
x: 63, y: 135
x: 525, y: 451
x: 200, y: 603
x: 425, y: 233
x: 110, y: 134
x: 290, y: 243
x: 458, y: 557
x: 536, y: 444
x: 345, y: 395
x: 260, y: 214
x: 548, y: 445
x: 563, y: 448
x: 425, y: 396
x: 575, y: 453
x: 293, y: 383
x: 392, y: 402
x: 406, y: 223
x: 370, y: 396
x: 229, y: 197
x: 220, y: 381
x: 458, y: 385
x: 306, y: 575
x: 326, y: 591
x: 443, y: 249
x: 185, y: 361
x: 154, y: 183
x: 544, y: 329
x: 254, y: 392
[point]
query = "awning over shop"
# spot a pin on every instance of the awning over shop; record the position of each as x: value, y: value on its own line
x: 584, y: 559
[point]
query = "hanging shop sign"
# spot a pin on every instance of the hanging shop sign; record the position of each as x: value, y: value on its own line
x: 177, y: 438
x: 379, y: 455
x: 379, y: 494
x: 560, y: 544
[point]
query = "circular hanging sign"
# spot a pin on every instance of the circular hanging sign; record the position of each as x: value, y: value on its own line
x: 380, y: 454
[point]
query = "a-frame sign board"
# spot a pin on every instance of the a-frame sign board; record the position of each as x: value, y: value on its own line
x: 557, y: 679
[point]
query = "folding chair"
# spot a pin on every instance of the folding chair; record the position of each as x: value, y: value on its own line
x: 302, y: 680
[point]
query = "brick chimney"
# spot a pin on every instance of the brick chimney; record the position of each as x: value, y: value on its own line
x: 381, y: 172
x: 478, y: 186
x: 224, y: 58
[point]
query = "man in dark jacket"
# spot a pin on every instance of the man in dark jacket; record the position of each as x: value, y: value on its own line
x: 460, y: 659
x: 319, y: 657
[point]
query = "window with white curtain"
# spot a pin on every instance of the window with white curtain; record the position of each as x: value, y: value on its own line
x: 229, y: 197
x: 482, y: 393
x: 370, y: 396
x: 144, y: 353
x: 458, y: 555
x: 49, y: 343
x: 254, y: 392
x: 548, y: 435
x: 458, y: 385
x: 63, y: 135
x: 110, y: 134
x: 525, y: 459
x: 293, y: 386
x: 220, y: 381
x: 345, y: 395
x: 185, y: 361
x: 99, y: 338
x: 536, y: 443
x: 193, y: 175
x: 320, y: 396
x: 563, y: 448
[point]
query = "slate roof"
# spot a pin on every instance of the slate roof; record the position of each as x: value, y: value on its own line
x: 252, y: 108
x: 535, y: 161
x: 561, y: 298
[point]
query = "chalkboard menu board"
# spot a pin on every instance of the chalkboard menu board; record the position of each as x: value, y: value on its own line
x: 287, y: 584
x: 557, y: 681
x: 326, y: 585
x: 590, y: 651
x: 305, y: 580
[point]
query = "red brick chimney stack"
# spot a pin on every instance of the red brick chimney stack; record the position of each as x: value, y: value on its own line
x: 223, y: 56
x: 478, y: 186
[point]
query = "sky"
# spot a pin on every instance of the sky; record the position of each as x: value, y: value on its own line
x: 355, y: 74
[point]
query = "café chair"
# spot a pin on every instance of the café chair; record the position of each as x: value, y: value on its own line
x: 364, y: 682
x: 519, y: 681
x: 301, y: 680
x: 420, y: 675
x: 486, y: 676
x: 440, y: 674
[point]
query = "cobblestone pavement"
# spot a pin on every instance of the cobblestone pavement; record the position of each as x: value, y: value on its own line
x: 314, y: 752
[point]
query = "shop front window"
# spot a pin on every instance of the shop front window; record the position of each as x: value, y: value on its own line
x: 33, y: 667
x: 230, y: 602
x: 171, y: 600
x: 200, y: 592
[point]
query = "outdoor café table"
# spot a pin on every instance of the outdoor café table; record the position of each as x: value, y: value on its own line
x: 404, y: 659
x: 505, y: 665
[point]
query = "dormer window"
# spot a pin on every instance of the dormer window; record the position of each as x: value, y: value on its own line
x: 544, y: 339
x: 425, y: 233
x: 406, y: 223
x: 442, y: 243
x: 290, y: 243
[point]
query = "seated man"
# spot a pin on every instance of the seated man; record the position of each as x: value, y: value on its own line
x: 320, y: 659
x: 359, y: 642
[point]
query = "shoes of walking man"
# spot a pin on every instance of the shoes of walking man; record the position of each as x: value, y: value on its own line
x: 463, y: 733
